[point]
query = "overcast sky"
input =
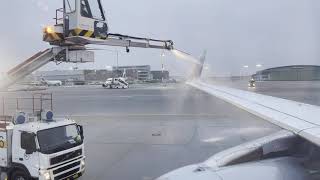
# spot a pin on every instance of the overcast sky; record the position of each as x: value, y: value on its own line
x: 235, y: 32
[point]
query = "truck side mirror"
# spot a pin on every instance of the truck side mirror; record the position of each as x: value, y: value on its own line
x: 81, y: 131
x: 28, y: 142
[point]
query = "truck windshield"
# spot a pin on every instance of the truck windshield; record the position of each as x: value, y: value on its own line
x: 92, y: 9
x: 58, y: 139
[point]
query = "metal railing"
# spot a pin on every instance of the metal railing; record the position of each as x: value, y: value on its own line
x: 58, y: 18
x: 34, y: 104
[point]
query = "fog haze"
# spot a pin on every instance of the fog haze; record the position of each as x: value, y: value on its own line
x: 234, y: 32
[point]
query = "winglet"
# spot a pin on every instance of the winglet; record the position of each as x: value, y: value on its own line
x: 198, y: 68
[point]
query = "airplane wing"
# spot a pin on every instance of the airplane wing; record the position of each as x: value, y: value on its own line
x: 300, y: 118
x: 272, y: 157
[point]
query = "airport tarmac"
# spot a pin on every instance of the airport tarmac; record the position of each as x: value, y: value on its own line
x: 145, y: 131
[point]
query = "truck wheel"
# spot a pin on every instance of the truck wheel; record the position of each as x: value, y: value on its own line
x: 19, y: 175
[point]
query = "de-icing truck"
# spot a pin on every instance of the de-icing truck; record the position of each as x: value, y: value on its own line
x: 38, y: 146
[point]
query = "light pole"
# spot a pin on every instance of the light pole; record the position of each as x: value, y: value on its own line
x: 117, y: 58
x: 244, y: 72
x: 258, y: 66
x: 162, y: 59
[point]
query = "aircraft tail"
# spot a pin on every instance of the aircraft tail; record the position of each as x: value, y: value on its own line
x: 198, y: 68
x: 124, y: 74
x: 43, y: 81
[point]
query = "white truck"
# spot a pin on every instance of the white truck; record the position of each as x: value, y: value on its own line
x: 116, y: 83
x: 39, y: 146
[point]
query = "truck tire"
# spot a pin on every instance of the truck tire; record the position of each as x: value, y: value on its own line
x: 19, y: 175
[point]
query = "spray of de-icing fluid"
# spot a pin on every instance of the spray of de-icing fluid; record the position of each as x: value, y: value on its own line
x: 185, y: 56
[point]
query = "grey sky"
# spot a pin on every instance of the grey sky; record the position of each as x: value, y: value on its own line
x: 235, y: 32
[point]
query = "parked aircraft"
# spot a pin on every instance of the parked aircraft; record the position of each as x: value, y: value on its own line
x: 52, y: 82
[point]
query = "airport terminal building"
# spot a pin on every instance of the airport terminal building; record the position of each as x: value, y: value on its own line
x: 289, y: 73
x: 141, y: 73
x: 133, y: 73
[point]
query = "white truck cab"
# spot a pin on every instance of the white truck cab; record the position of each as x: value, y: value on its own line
x: 44, y: 150
x: 41, y: 147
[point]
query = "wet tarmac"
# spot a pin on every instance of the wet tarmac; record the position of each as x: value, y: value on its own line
x: 144, y: 132
x: 148, y: 130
